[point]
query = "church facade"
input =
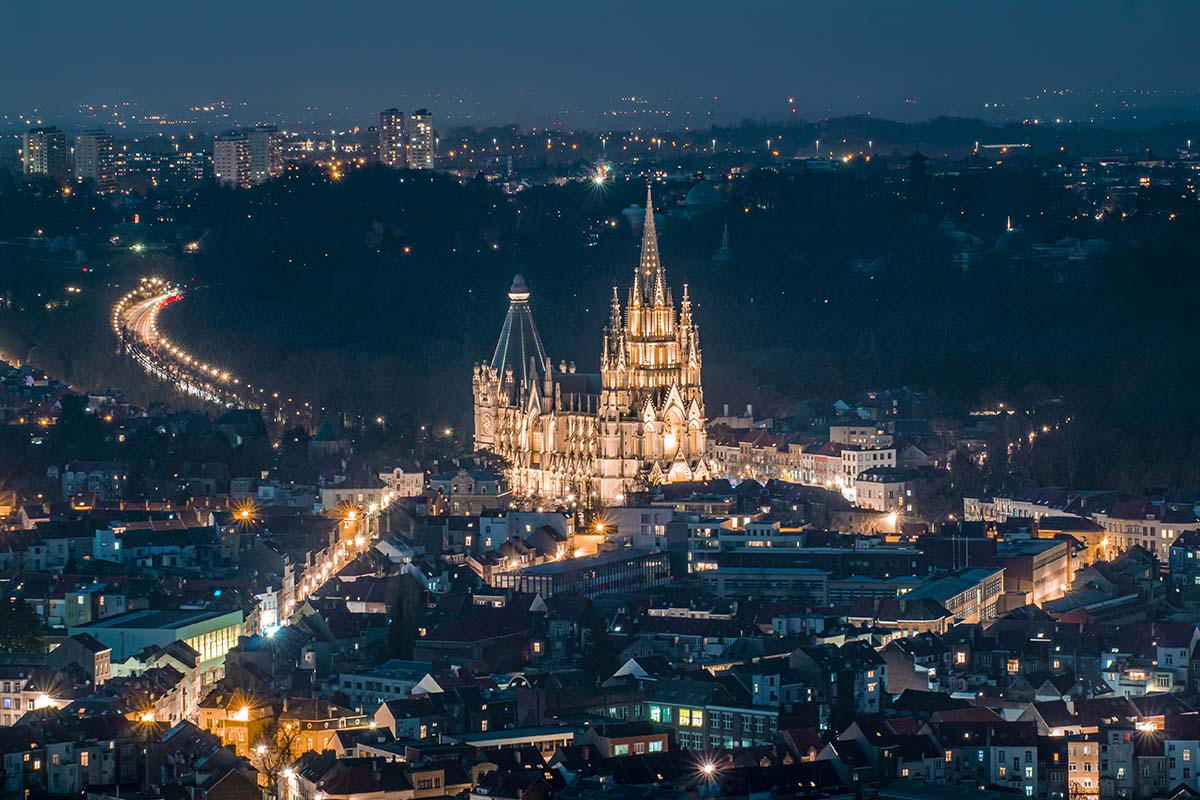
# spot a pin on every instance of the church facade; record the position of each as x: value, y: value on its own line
x: 569, y: 436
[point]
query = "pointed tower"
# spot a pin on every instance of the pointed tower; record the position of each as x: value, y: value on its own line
x: 519, y: 347
x: 649, y: 272
x: 518, y: 366
x: 724, y: 253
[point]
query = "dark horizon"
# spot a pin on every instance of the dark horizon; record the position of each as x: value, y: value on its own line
x: 690, y: 65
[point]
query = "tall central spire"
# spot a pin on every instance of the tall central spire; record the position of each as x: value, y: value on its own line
x: 649, y: 282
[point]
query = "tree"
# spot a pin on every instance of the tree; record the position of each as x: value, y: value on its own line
x: 600, y: 656
x: 406, y: 610
x: 22, y: 630
x: 274, y: 752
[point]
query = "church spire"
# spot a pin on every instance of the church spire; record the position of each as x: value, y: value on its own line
x: 614, y: 312
x: 649, y: 282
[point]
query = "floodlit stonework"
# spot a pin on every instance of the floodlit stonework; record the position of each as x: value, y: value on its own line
x: 586, y: 437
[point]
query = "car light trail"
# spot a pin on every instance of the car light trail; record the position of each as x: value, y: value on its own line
x: 135, y: 323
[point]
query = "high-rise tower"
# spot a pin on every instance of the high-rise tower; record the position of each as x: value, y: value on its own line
x: 391, y: 137
x: 44, y: 152
x: 421, y: 141
x: 94, y: 160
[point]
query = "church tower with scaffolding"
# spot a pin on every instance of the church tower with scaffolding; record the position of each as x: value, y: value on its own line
x: 597, y: 437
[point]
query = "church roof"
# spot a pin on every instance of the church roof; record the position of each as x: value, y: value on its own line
x: 330, y: 431
x: 519, y: 342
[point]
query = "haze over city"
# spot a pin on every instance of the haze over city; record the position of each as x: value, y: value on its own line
x: 538, y: 62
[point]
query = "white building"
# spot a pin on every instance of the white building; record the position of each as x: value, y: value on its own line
x: 883, y: 489
x: 421, y: 143
x: 404, y: 481
x: 266, y: 153
x: 231, y: 159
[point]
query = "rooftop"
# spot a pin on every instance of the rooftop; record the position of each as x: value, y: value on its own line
x: 588, y: 562
x: 153, y: 620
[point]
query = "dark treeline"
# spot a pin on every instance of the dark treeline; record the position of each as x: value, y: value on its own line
x: 376, y: 293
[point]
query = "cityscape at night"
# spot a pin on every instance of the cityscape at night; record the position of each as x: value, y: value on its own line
x: 647, y: 401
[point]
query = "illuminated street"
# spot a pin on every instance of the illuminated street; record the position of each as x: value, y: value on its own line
x: 135, y: 322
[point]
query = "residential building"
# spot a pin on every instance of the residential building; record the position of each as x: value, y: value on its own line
x: 44, y: 152
x: 232, y: 163
x: 266, y: 153
x: 94, y: 160
x: 422, y: 144
x: 391, y: 137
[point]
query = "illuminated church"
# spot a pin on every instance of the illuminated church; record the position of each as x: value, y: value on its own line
x: 599, y: 436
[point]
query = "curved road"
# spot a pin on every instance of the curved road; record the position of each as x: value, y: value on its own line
x: 135, y: 321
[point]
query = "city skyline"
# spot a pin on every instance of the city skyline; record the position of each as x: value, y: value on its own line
x: 550, y: 64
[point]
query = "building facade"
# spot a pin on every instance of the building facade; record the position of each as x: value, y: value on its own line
x: 421, y: 141
x: 577, y: 437
x: 391, y: 137
x: 44, y: 152
x: 266, y: 153
x: 94, y: 160
x: 231, y: 159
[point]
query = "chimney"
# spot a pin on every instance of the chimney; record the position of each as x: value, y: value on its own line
x: 725, y: 410
x: 749, y: 410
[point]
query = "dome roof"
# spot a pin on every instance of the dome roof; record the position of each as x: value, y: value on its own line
x: 703, y: 194
x: 1014, y: 243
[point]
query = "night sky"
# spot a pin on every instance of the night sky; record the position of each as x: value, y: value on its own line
x: 532, y: 61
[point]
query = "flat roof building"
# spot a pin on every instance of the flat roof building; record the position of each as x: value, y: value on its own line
x: 761, y: 576
x: 629, y: 570
x: 210, y: 633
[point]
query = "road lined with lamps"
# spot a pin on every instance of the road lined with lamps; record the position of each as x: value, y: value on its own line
x: 135, y: 322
